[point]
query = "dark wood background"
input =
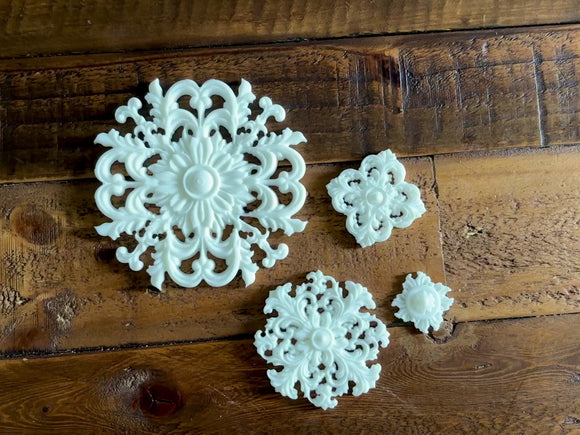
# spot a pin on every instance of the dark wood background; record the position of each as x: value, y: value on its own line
x: 479, y: 98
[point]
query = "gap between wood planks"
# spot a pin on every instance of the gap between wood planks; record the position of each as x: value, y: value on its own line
x: 445, y: 333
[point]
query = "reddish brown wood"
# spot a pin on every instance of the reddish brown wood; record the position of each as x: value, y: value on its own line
x: 78, y: 295
x: 508, y: 220
x: 509, y: 376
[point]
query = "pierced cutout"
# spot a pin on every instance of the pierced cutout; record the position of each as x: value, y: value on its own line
x: 375, y: 198
x: 422, y: 302
x: 193, y: 166
x: 320, y: 342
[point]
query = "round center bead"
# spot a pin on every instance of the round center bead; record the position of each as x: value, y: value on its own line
x: 375, y: 197
x: 200, y: 181
x: 421, y: 301
x: 322, y: 338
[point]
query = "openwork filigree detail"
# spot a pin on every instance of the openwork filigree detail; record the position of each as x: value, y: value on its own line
x: 422, y: 302
x: 199, y: 179
x: 321, y: 340
x: 375, y: 198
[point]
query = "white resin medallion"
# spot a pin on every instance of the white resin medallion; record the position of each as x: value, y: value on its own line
x: 199, y: 175
x: 375, y: 198
x: 422, y: 302
x: 321, y: 340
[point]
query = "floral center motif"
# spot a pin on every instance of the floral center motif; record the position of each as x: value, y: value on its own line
x: 422, y: 302
x: 201, y: 182
x: 197, y: 182
x: 321, y: 339
x: 375, y: 199
x: 379, y: 196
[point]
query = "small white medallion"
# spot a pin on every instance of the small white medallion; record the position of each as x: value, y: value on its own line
x: 375, y: 198
x: 422, y: 302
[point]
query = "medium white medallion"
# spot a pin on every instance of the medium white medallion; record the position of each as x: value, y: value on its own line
x: 320, y: 340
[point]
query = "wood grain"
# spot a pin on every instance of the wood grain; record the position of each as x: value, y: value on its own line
x: 511, y: 221
x: 76, y: 294
x: 418, y: 95
x: 37, y: 27
x: 510, y: 376
x: 493, y: 109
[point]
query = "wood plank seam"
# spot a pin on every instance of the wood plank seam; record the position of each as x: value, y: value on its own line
x: 38, y: 354
x: 445, y: 333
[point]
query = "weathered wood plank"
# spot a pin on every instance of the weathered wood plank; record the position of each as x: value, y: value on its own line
x: 418, y: 95
x: 513, y: 376
x: 63, y: 288
x: 511, y: 232
x: 36, y: 27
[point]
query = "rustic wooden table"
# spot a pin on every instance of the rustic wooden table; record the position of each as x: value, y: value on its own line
x: 479, y: 98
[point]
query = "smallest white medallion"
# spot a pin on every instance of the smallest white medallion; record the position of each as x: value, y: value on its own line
x: 422, y: 302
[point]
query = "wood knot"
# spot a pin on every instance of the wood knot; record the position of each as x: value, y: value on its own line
x: 34, y: 225
x: 159, y: 400
x: 444, y: 333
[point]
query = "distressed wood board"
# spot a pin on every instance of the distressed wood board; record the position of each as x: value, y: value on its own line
x: 37, y: 27
x: 501, y: 377
x: 417, y: 95
x: 78, y: 295
x: 485, y: 121
x: 511, y: 221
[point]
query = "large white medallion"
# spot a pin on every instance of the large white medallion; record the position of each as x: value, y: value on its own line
x: 199, y: 175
